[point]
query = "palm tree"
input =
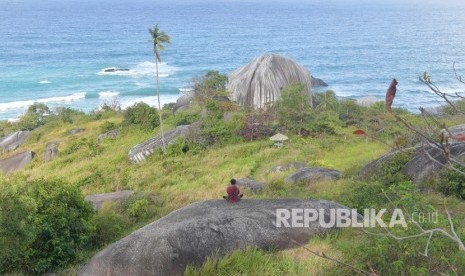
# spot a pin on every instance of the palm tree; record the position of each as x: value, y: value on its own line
x: 158, y: 39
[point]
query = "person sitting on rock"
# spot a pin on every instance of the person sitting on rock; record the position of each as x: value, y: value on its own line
x: 234, y: 194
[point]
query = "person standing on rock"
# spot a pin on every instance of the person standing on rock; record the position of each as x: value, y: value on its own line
x: 234, y: 194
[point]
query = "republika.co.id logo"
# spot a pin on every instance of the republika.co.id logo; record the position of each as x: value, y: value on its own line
x: 342, y: 217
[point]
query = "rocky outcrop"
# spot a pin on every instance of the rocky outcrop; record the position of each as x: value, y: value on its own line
x: 288, y: 166
x: 51, y: 151
x: 421, y: 168
x: 183, y: 102
x: 420, y: 164
x: 76, y: 131
x: 16, y: 162
x: 204, y: 229
x: 249, y: 183
x: 108, y: 135
x: 98, y: 199
x: 318, y: 82
x: 13, y: 141
x: 113, y: 70
x: 259, y: 83
x: 141, y: 151
x: 314, y: 174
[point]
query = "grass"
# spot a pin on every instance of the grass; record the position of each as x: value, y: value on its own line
x: 190, y: 177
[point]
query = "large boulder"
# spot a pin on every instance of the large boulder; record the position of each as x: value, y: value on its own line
x: 421, y: 167
x: 313, y: 174
x: 51, y: 151
x: 318, y: 82
x: 75, y: 131
x: 183, y: 102
x: 288, y: 166
x: 16, y: 162
x: 141, y: 151
x: 250, y: 183
x: 112, y: 134
x: 204, y: 229
x: 420, y: 164
x: 98, y: 199
x: 259, y: 83
x: 13, y: 141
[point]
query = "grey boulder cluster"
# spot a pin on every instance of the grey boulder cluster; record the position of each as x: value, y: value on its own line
x: 18, y: 161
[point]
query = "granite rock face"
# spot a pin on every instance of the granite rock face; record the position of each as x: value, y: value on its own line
x: 288, y: 166
x: 141, y: 151
x: 16, y: 162
x: 416, y: 163
x: 183, y: 102
x: 98, y: 199
x: 113, y: 134
x: 203, y: 229
x: 51, y: 151
x: 313, y: 174
x: 250, y: 183
x: 13, y: 141
x: 258, y: 84
x: 318, y: 82
x: 76, y: 131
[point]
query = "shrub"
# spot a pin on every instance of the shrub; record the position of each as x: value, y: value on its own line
x: 107, y: 126
x: 211, y: 84
x: 34, y: 117
x: 143, y: 115
x: 451, y: 183
x: 110, y: 224
x: 256, y: 127
x: 293, y: 109
x: 44, y: 225
x: 186, y: 118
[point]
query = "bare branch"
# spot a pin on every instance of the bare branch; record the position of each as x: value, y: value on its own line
x: 457, y: 76
x: 323, y: 255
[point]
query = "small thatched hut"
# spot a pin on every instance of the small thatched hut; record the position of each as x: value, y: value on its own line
x: 259, y: 83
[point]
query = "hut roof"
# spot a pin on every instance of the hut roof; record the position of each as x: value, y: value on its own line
x: 258, y: 83
x: 278, y: 137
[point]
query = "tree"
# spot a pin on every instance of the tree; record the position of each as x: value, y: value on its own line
x: 44, y: 225
x: 142, y: 114
x: 34, y: 117
x: 293, y: 110
x: 213, y: 83
x: 159, y: 38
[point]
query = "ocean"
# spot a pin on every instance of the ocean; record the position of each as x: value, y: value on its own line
x: 56, y: 52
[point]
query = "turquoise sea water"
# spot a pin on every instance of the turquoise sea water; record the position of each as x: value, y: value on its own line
x: 55, y: 51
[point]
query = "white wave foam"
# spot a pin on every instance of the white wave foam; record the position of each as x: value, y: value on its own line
x: 108, y: 94
x: 26, y: 104
x: 186, y: 89
x: 151, y: 100
x: 45, y: 82
x: 142, y: 69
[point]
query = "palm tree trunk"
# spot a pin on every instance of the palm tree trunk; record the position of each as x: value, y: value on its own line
x: 159, y: 112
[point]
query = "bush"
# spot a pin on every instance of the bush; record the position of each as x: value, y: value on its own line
x: 451, y: 183
x: 44, y: 225
x: 110, y: 224
x: 256, y: 127
x: 143, y: 115
x: 107, y: 127
x: 211, y: 84
x: 186, y: 118
x: 34, y: 117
